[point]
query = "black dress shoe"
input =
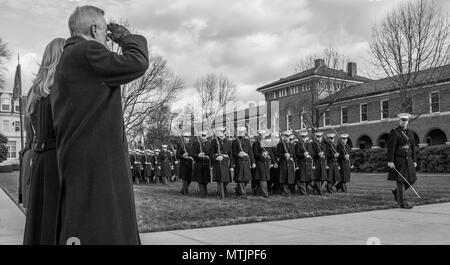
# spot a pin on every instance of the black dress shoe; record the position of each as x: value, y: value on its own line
x: 405, y: 206
x: 395, y: 194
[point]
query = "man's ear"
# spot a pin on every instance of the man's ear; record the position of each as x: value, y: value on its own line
x: 93, y: 31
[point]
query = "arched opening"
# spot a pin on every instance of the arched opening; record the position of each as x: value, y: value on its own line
x: 435, y: 137
x: 349, y: 142
x: 364, y: 142
x: 382, y: 140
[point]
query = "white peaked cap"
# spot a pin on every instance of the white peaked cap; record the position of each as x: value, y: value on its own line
x: 404, y: 116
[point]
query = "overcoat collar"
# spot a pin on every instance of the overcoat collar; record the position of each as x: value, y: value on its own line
x: 73, y: 40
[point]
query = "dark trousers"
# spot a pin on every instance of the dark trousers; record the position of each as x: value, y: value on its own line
x: 285, y: 191
x: 240, y: 188
x: 400, y: 190
x: 185, y: 187
x: 220, y: 190
x: 302, y: 186
x: 261, y: 188
x: 203, y: 189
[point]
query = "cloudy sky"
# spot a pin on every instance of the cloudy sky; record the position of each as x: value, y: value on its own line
x: 254, y: 42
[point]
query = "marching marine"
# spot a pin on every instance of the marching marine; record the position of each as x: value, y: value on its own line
x: 184, y: 154
x: 243, y: 161
x: 402, y: 159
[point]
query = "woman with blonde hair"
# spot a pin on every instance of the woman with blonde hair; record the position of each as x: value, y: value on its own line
x: 41, y: 219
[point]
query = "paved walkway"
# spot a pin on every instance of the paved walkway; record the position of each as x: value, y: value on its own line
x: 12, y: 221
x: 427, y: 224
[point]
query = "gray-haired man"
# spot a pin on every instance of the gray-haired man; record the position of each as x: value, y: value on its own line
x: 97, y: 201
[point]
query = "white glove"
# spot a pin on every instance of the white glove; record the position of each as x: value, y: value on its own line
x: 201, y: 154
x: 320, y: 153
x: 391, y: 165
x: 219, y: 158
x: 415, y: 164
x: 306, y: 154
x: 336, y: 155
x: 287, y: 155
x: 253, y: 165
x: 242, y: 154
x: 185, y: 155
x: 275, y: 165
x: 347, y: 156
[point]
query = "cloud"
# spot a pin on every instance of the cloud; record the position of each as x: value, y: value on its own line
x: 254, y: 42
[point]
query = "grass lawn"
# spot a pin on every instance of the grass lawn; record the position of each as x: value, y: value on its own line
x: 161, y: 207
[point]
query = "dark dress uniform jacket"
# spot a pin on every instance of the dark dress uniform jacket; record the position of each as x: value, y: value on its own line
x: 401, y: 150
x: 344, y: 163
x: 262, y: 171
x: 305, y: 173
x: 332, y: 162
x: 320, y: 172
x: 165, y: 162
x: 185, y: 165
x: 286, y: 167
x: 242, y: 166
x: 221, y: 169
x: 97, y: 195
x: 202, y: 170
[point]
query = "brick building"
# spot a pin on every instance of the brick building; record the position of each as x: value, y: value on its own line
x: 10, y: 125
x: 366, y: 109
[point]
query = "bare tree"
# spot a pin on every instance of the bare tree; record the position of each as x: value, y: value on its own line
x: 5, y: 54
x: 410, y: 41
x: 144, y: 96
x: 215, y: 92
x: 141, y: 97
x: 329, y: 86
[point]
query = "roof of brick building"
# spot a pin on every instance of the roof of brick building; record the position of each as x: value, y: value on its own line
x: 320, y: 71
x: 430, y: 76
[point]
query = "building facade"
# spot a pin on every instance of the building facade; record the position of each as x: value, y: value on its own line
x: 365, y: 109
x: 10, y: 125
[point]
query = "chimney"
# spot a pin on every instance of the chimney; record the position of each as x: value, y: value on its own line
x: 351, y: 69
x: 319, y: 63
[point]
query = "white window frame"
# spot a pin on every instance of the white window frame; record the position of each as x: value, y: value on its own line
x: 8, y: 145
x: 342, y: 116
x: 439, y: 101
x: 381, y: 109
x: 287, y: 119
x: 324, y: 118
x: 9, y: 103
x: 360, y: 112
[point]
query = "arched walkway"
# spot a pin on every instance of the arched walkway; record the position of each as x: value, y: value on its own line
x: 435, y: 137
x: 364, y: 142
x: 382, y: 140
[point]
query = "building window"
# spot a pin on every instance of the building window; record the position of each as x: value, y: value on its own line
x: 434, y: 102
x: 16, y: 126
x: 17, y: 108
x: 6, y: 126
x: 326, y: 117
x: 344, y: 115
x: 363, y: 112
x: 384, y: 109
x: 6, y: 103
x: 11, y: 146
x: 289, y: 120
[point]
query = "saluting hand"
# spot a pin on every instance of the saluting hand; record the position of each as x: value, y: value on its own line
x: 117, y: 32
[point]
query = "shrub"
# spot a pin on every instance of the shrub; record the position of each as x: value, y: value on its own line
x: 15, y: 167
x: 6, y: 169
x: 431, y: 159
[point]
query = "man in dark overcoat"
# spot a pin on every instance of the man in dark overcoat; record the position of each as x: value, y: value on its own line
x: 184, y: 155
x: 303, y: 153
x: 320, y: 162
x: 286, y: 164
x: 263, y: 163
x: 402, y: 158
x: 97, y: 200
x: 332, y: 155
x: 244, y: 161
x: 166, y: 164
x: 202, y: 163
x: 220, y: 157
x: 345, y: 163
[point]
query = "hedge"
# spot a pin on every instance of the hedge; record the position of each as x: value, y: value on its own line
x: 431, y: 159
x: 6, y: 169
